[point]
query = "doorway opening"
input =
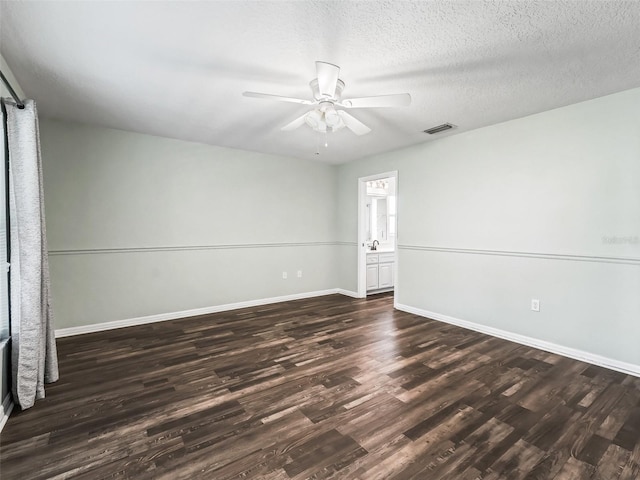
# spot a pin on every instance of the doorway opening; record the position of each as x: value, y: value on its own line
x: 377, y: 233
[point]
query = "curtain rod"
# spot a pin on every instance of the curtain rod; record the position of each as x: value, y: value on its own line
x: 13, y: 93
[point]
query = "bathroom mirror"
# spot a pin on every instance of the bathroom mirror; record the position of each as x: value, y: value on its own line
x: 381, y: 215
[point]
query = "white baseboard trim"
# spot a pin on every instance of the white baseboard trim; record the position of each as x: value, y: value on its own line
x: 348, y: 293
x: 610, y: 363
x: 7, y: 407
x: 161, y: 317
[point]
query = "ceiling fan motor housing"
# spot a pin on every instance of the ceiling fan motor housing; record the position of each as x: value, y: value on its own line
x: 319, y: 97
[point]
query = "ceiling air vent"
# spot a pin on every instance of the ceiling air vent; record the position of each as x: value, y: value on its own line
x: 439, y: 128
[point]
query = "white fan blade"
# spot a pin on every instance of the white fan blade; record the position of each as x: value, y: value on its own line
x: 267, y: 96
x: 298, y: 122
x: 327, y: 78
x: 353, y: 124
x: 396, y: 100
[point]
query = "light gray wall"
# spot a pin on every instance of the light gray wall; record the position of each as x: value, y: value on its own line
x: 544, y: 207
x: 564, y: 184
x: 140, y: 225
x: 4, y: 301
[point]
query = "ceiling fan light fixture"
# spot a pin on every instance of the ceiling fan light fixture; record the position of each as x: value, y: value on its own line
x: 314, y: 119
x: 331, y: 118
x: 324, y: 119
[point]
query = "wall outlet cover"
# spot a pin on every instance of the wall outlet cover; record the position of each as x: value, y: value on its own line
x: 535, y: 305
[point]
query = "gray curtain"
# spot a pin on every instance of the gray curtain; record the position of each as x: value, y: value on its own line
x: 34, y: 359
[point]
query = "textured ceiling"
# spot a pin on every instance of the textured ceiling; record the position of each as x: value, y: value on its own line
x: 178, y: 69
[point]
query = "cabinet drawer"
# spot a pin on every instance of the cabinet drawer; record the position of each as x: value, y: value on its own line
x: 372, y: 259
x: 386, y: 257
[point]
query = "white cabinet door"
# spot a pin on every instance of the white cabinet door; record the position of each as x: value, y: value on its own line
x: 385, y: 275
x: 372, y: 277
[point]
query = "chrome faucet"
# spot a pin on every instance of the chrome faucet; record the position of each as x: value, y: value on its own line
x: 374, y: 246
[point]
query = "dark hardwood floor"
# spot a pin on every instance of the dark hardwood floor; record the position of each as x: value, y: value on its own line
x: 329, y: 387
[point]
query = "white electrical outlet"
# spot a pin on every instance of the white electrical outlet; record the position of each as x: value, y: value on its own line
x: 299, y: 273
x: 535, y: 304
x: 284, y: 275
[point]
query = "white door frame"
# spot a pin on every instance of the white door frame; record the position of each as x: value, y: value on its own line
x: 362, y: 246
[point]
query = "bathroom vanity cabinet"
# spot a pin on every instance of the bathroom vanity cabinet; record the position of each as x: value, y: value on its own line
x: 380, y: 271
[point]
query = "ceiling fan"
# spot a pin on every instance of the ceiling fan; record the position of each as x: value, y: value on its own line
x: 327, y: 95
